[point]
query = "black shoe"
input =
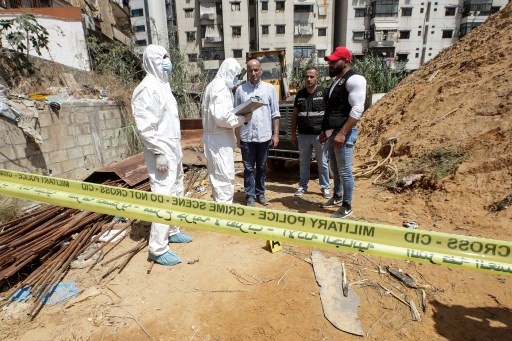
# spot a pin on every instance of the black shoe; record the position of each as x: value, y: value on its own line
x: 344, y: 211
x: 262, y: 200
x: 332, y: 202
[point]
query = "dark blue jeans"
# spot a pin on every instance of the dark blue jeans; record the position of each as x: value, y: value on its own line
x: 254, y: 156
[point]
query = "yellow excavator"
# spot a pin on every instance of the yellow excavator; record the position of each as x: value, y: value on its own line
x: 273, y: 65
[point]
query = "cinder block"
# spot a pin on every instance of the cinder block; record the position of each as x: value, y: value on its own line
x: 58, y: 156
x: 69, y: 165
x: 88, y: 150
x: 48, y: 146
x: 66, y: 142
x: 75, y: 152
x: 84, y: 139
x: 84, y: 128
x: 7, y: 153
x: 47, y: 119
x: 16, y: 136
x: 79, y: 118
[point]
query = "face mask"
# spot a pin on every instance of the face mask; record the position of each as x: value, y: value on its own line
x: 167, y: 66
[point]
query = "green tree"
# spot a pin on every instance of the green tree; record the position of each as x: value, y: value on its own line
x: 23, y: 34
x: 379, y: 77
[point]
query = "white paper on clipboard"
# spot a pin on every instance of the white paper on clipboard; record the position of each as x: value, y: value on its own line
x: 251, y: 104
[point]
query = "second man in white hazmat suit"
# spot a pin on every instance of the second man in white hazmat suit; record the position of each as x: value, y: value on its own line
x: 219, y: 121
x: 156, y: 115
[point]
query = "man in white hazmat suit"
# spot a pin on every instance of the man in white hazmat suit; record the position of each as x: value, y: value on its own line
x: 219, y: 122
x: 156, y: 115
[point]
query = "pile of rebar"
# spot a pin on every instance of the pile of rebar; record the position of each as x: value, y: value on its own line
x: 36, y: 250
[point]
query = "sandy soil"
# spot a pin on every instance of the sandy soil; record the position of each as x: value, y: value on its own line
x: 237, y: 290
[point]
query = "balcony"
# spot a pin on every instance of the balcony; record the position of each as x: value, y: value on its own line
x: 384, y: 39
x: 303, y: 29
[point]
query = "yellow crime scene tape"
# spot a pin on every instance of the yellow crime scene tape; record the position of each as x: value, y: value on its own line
x: 351, y: 236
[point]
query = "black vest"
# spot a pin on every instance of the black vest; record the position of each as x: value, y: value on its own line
x: 311, y: 110
x: 337, y: 108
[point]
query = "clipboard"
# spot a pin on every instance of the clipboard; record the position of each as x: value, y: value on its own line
x: 251, y: 104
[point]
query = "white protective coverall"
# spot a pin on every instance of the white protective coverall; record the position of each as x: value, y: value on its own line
x: 156, y: 115
x: 219, y: 122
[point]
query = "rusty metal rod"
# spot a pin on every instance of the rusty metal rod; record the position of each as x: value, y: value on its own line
x: 131, y: 256
x: 136, y: 248
x: 26, y: 228
x: 37, y: 305
x: 109, y: 240
x: 76, y: 247
x: 57, y: 263
x: 5, y: 227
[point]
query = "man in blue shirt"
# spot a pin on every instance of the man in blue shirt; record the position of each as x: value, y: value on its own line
x: 259, y: 134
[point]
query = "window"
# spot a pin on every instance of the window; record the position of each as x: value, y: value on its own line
x: 320, y: 53
x: 141, y: 42
x: 280, y: 29
x: 280, y: 6
x: 218, y: 8
x: 447, y: 33
x: 417, y: 55
x: 322, y: 32
x: 264, y: 5
x: 406, y: 11
x: 360, y: 12
x: 137, y: 12
x: 189, y: 12
x: 303, y: 8
x: 402, y: 57
x: 235, y: 7
x: 419, y: 33
x: 139, y: 28
x: 449, y: 11
x: 191, y: 36
x: 358, y: 36
x: 404, y: 34
x: 385, y: 8
x: 264, y: 29
x: 422, y: 10
x: 236, y: 31
x: 213, y: 53
x: 192, y: 57
x: 302, y: 51
x: 251, y: 22
x: 237, y: 53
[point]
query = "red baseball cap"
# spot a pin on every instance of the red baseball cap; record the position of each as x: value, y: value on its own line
x: 338, y: 53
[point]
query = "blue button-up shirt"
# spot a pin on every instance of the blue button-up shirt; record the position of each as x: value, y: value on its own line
x: 259, y: 128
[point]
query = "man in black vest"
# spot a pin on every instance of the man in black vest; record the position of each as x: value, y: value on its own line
x: 344, y: 108
x: 308, y: 113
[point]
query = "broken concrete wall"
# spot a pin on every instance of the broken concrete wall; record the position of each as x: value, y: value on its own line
x: 83, y: 136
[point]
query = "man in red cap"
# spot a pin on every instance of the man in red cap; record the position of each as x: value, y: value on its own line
x: 344, y: 108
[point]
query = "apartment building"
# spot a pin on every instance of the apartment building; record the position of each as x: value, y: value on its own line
x: 149, y: 23
x: 208, y: 31
x: 405, y: 33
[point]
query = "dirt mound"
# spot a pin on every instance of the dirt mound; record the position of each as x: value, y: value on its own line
x: 459, y: 103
